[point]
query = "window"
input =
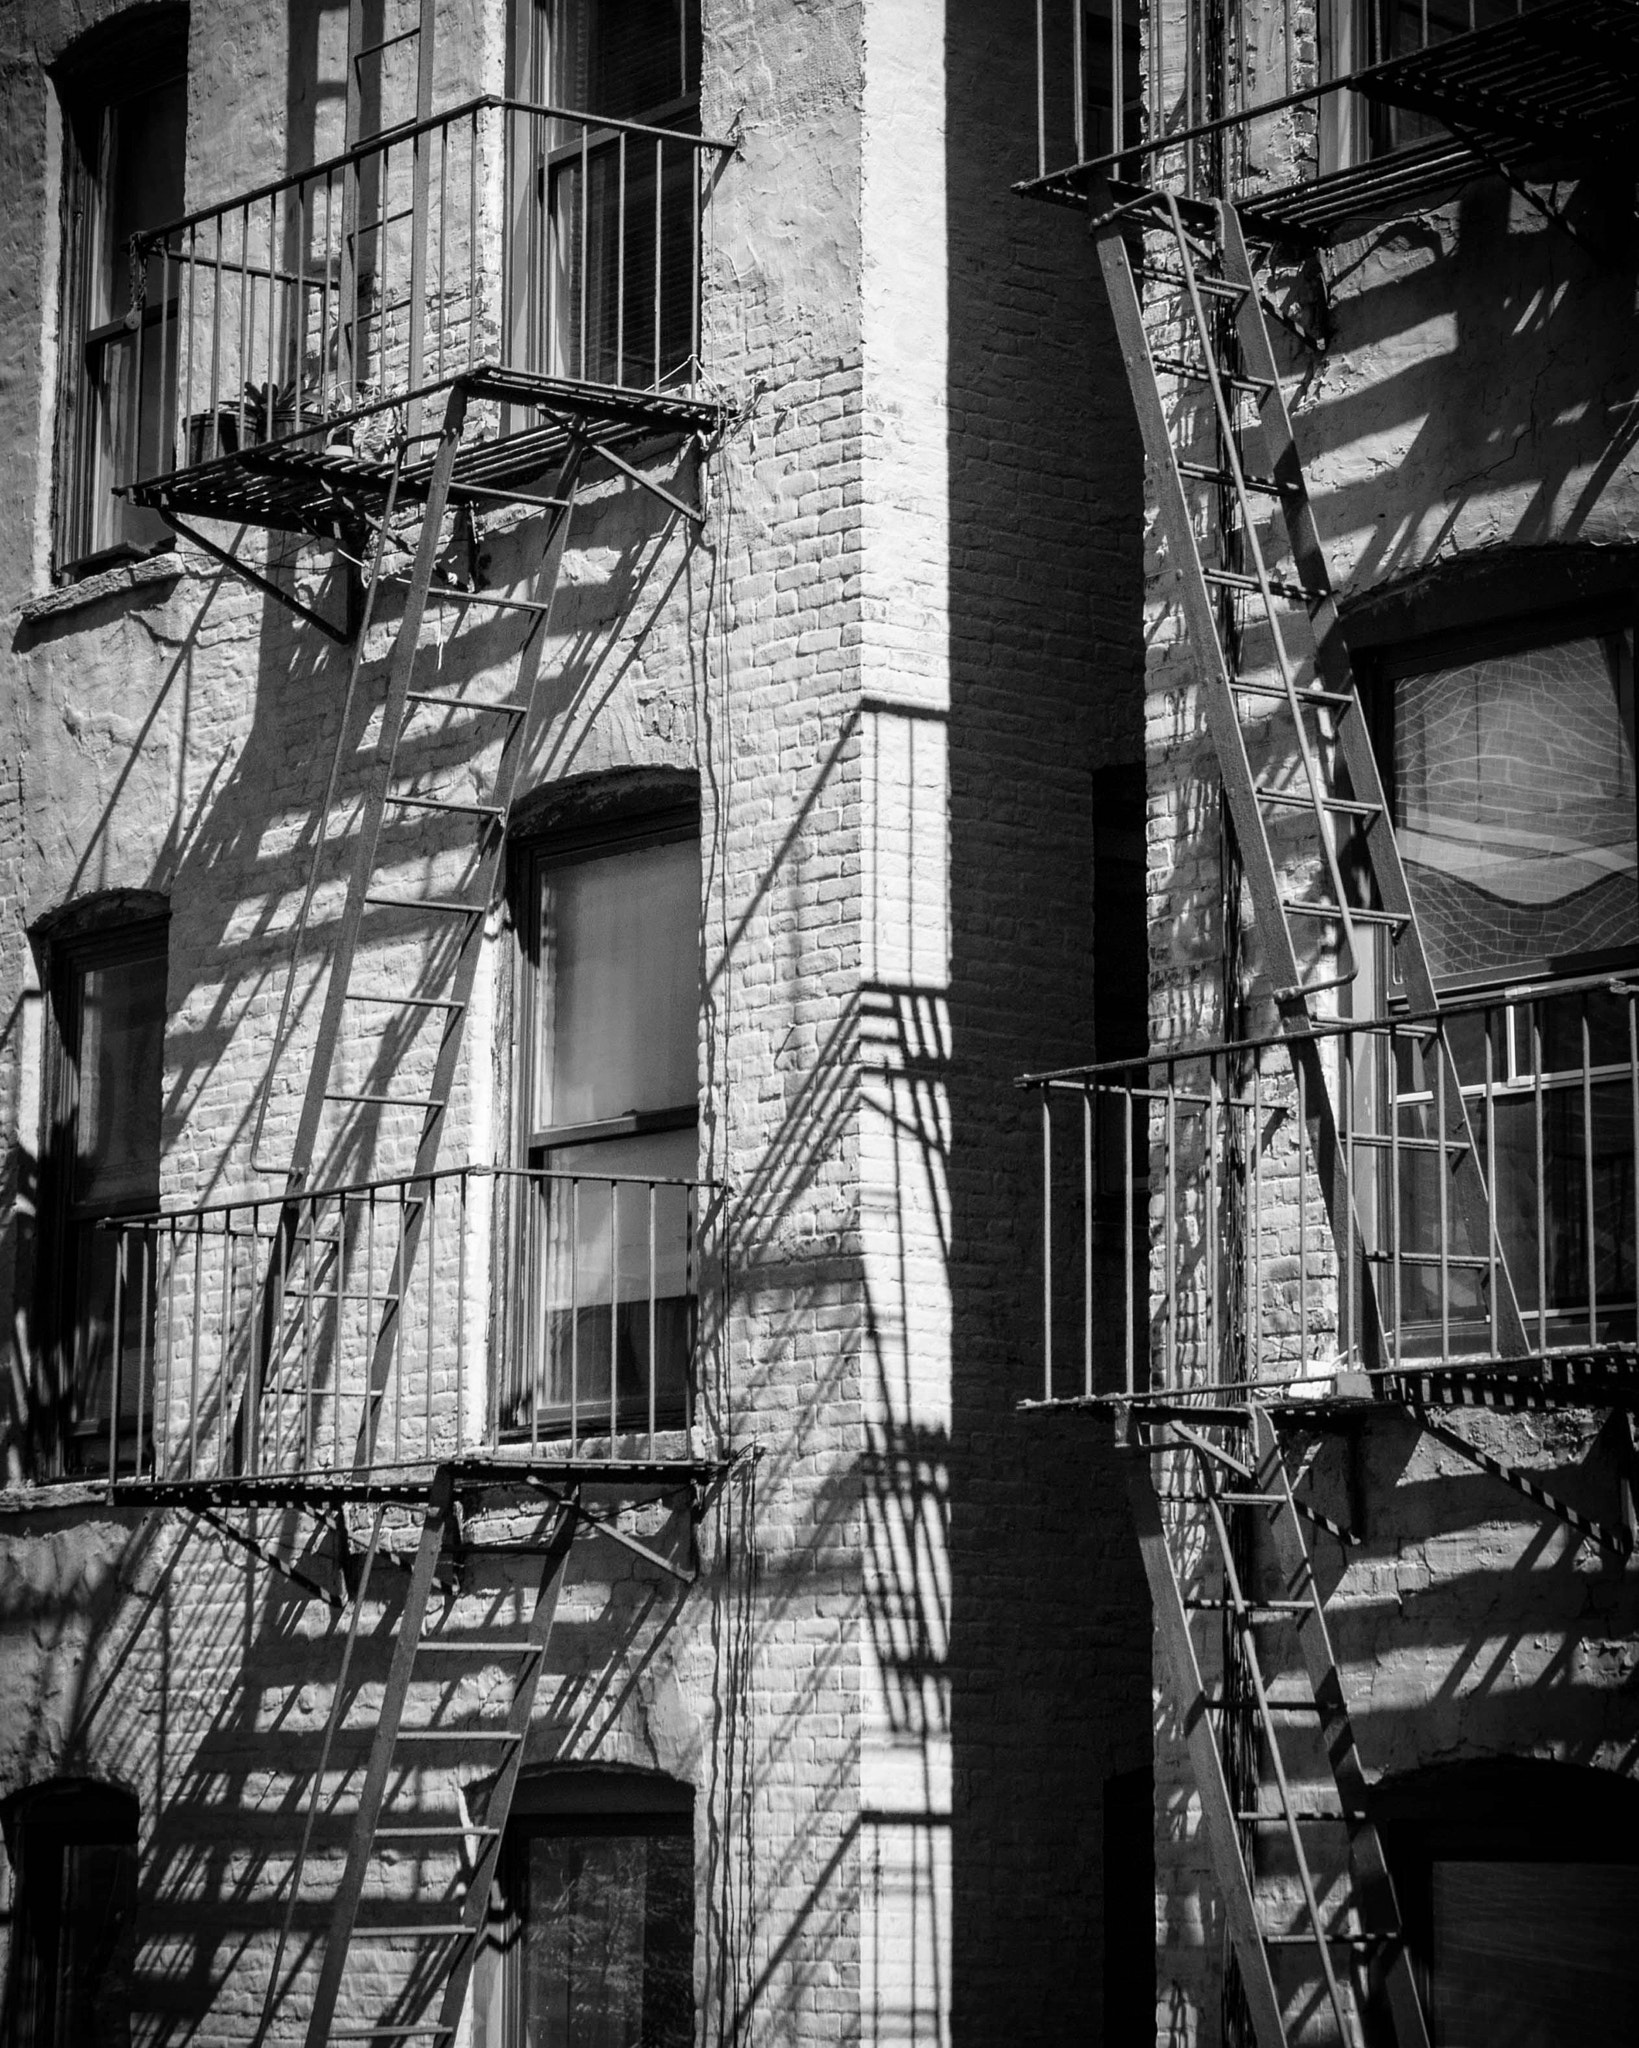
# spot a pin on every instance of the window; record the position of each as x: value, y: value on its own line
x: 1359, y: 33
x: 1110, y: 69
x: 598, y: 1898
x: 125, y: 115
x: 104, y: 1080
x: 1512, y: 765
x: 73, y: 1850
x: 611, y: 1023
x: 1509, y: 756
x: 603, y: 279
x: 1520, y: 1892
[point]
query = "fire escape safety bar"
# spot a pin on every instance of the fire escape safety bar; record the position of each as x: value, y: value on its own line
x: 331, y: 295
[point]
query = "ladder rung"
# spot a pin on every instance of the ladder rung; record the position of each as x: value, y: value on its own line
x: 1320, y: 700
x: 449, y: 905
x: 330, y: 1294
x: 1467, y: 1262
x: 1177, y: 367
x: 411, y: 1002
x: 1216, y: 287
x: 1204, y: 473
x: 1333, y: 913
x: 448, y: 701
x: 457, y: 1735
x: 445, y: 594
x: 479, y: 1646
x: 1253, y: 1500
x: 1232, y: 579
x: 1254, y: 1607
x: 422, y: 1831
x: 438, y: 803
x: 1219, y: 1705
x: 1311, y: 1817
x: 404, y: 35
x: 1297, y: 800
x: 390, y: 1101
x: 1332, y: 1940
x: 428, y: 2029
x: 429, y: 1930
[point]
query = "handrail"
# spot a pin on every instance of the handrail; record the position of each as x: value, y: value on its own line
x: 1335, y: 1027
x: 390, y: 138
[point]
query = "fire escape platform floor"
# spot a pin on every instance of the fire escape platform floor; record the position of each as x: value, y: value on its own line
x: 472, y: 1476
x: 314, y: 482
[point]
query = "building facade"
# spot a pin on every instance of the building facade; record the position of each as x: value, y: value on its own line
x: 567, y: 586
x: 1346, y: 1257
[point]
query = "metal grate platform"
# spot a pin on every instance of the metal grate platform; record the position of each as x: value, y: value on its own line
x: 314, y: 482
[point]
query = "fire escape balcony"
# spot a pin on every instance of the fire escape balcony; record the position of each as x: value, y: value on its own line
x: 1317, y: 119
x: 290, y: 337
x: 348, y: 1341
x: 1207, y: 1227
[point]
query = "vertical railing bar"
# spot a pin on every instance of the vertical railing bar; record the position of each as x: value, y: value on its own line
x: 367, y: 1424
x: 1442, y: 1156
x: 1128, y: 1228
x: 546, y: 1190
x: 1086, y: 1240
x: 472, y: 241
x: 443, y: 298
x: 1591, y: 1246
x: 614, y: 1312
x: 696, y: 235
x: 148, y: 1358
x: 272, y: 307
x: 1257, y: 1217
x: 691, y: 1281
x: 1353, y: 1245
x: 306, y: 1377
x: 1542, y: 1184
x: 1078, y: 74
x: 1303, y: 1224
x: 298, y: 369
x: 328, y: 393
x: 399, y: 1311
x: 1169, y: 1134
x: 1118, y: 74
x: 1393, y: 1095
x: 1492, y: 1172
x: 1210, y: 1115
x: 585, y: 241
x: 246, y: 312
x: 1633, y: 1163
x: 1047, y: 1240
x: 461, y: 1311
x: 216, y: 344
x: 574, y: 1312
x: 1041, y: 91
x: 654, y: 1356
x: 117, y: 1350
x: 620, y: 261
x: 659, y: 189
x: 430, y: 1267
x: 198, y: 1320
x: 185, y: 424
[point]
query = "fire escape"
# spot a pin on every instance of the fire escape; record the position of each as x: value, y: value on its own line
x: 444, y: 330
x: 1287, y: 1233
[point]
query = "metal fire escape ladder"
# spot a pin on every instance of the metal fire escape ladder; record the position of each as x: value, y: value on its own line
x: 1312, y: 1695
x: 1337, y: 797
x: 443, y: 1939
x: 393, y: 1014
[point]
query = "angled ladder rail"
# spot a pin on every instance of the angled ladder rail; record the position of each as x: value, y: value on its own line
x: 442, y: 1950
x: 1338, y: 797
x: 395, y: 1020
x: 1252, y: 1479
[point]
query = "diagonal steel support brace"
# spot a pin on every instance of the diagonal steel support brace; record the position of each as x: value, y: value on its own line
x: 1619, y: 1542
x: 256, y: 580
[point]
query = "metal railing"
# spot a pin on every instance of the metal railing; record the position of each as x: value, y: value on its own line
x: 1219, y: 95
x: 536, y: 238
x: 1187, y: 1199
x: 350, y: 1330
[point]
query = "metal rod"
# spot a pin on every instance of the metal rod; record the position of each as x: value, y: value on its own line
x: 1047, y: 1240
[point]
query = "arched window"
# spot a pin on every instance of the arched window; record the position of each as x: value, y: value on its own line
x: 73, y: 1851
x: 597, y: 1903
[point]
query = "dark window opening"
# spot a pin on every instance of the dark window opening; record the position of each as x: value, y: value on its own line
x: 604, y: 258
x: 609, y: 1106
x: 105, y: 1071
x: 69, y: 1978
x: 126, y: 122
x: 597, y: 1901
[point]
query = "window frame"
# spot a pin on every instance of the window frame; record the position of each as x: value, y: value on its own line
x: 108, y: 935
x: 1380, y: 668
x: 107, y: 72
x: 668, y: 822
x: 42, y: 1821
x: 603, y: 1804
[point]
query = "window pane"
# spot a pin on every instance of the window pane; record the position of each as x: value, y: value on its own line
x: 1534, y: 1955
x: 623, y: 58
x: 1514, y: 782
x: 609, y: 1941
x: 120, y: 1067
x: 584, y: 1232
x: 619, y: 988
x: 147, y: 137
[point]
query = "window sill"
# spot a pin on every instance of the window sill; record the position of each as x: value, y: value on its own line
x: 104, y: 583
